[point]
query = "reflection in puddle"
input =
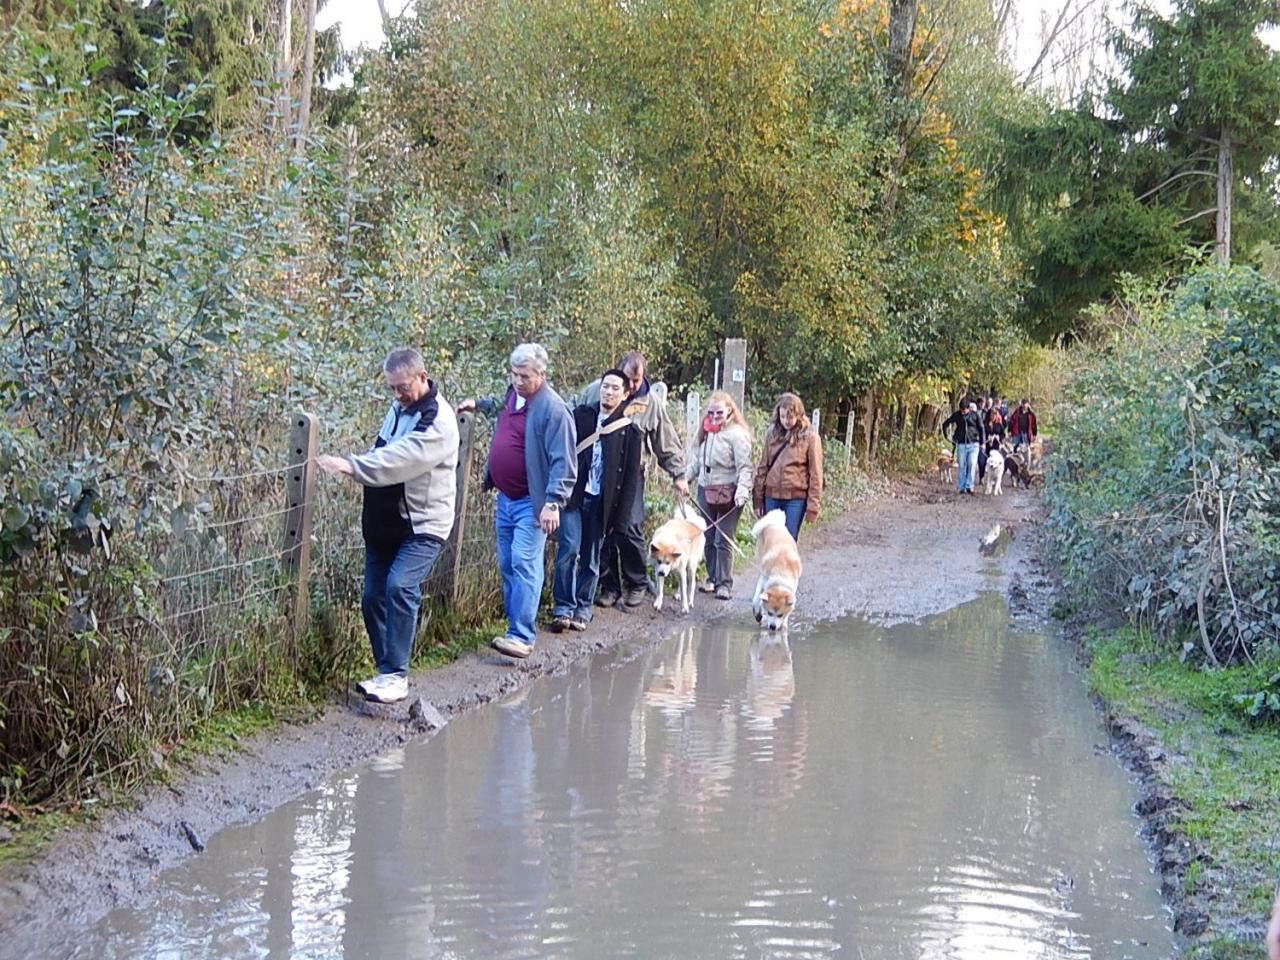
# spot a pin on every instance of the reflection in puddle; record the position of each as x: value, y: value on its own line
x: 926, y: 791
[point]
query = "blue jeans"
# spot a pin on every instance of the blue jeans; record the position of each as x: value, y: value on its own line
x: 521, y: 544
x: 392, y: 595
x: 1021, y: 440
x: 794, y: 509
x: 577, y: 567
x: 966, y: 475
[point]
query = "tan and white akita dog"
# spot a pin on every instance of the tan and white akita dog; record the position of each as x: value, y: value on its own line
x: 677, y: 545
x: 779, y: 560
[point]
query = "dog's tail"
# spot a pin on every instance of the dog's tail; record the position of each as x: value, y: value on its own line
x: 774, y: 518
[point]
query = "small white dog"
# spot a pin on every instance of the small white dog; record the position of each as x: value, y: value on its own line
x: 995, y: 472
x: 677, y: 545
x: 779, y: 560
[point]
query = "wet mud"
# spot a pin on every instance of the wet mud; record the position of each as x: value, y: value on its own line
x: 910, y: 553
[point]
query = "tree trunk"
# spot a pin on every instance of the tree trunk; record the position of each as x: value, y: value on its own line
x: 927, y: 420
x: 308, y: 69
x: 862, y: 410
x: 902, y: 30
x: 284, y: 67
x: 877, y: 418
x: 1222, y: 246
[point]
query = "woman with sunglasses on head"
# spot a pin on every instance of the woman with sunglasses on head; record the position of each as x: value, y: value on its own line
x: 722, y: 468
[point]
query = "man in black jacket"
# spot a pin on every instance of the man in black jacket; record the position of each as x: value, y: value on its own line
x: 968, y: 434
x: 607, y: 500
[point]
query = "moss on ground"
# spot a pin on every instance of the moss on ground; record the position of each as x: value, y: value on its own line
x: 1223, y: 765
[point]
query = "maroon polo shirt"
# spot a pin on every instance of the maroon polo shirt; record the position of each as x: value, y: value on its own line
x: 506, y: 455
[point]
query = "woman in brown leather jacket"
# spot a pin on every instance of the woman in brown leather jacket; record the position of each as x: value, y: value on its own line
x: 789, y: 475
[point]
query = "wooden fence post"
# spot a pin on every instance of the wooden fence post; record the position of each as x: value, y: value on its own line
x: 848, y: 436
x: 692, y: 411
x: 300, y: 488
x: 735, y: 371
x: 450, y: 563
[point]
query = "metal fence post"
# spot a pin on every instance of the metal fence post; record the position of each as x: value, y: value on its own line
x: 816, y: 422
x: 299, y: 486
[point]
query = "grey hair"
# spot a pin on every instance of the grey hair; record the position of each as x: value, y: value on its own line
x: 533, y: 353
x: 404, y: 358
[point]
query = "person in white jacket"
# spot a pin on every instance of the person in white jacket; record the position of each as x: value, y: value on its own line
x: 410, y: 488
x: 723, y: 469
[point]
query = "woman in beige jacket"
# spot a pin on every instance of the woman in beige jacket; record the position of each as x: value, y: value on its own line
x: 789, y: 476
x: 722, y: 468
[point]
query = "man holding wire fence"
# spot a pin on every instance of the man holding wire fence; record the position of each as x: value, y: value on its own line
x: 410, y: 487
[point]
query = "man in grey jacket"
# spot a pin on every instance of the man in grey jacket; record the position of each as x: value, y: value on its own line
x: 533, y: 465
x: 410, y: 487
x: 623, y: 569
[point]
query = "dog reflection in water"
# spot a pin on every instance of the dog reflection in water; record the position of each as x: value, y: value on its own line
x: 771, y: 684
x: 673, y: 685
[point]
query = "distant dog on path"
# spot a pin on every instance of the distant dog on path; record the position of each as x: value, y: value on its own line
x: 995, y: 472
x: 947, y: 468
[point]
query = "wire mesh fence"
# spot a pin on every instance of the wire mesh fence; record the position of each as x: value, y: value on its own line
x: 211, y: 608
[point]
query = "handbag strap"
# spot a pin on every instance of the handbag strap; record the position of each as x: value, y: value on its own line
x: 776, y: 455
x: 611, y: 427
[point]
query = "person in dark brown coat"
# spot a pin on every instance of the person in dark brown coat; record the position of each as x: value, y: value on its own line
x: 789, y: 475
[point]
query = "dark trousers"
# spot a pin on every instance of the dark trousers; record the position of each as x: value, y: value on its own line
x: 722, y: 525
x: 623, y: 561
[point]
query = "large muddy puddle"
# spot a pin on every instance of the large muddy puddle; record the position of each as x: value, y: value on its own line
x: 933, y: 790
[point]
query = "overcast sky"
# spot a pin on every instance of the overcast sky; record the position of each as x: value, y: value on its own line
x: 362, y: 24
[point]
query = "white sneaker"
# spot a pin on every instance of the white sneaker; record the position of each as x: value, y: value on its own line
x: 364, y: 685
x: 386, y: 688
x: 511, y: 647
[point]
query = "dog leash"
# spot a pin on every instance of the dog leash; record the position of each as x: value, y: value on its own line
x: 715, y: 525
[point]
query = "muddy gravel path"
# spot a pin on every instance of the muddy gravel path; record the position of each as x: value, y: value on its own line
x: 909, y: 553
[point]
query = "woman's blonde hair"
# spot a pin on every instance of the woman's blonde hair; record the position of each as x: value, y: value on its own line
x: 734, y: 415
x: 802, y: 426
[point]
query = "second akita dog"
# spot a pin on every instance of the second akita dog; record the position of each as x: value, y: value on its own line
x: 779, y: 560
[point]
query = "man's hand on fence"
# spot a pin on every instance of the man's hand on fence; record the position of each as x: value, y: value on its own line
x: 465, y: 406
x: 331, y: 464
x: 549, y: 521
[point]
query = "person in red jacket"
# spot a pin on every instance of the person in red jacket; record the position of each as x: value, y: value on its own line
x: 1022, y: 424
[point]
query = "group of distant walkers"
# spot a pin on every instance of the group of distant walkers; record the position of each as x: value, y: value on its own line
x: 977, y: 427
x: 572, y: 469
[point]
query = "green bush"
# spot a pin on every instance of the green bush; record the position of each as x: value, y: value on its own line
x: 1165, y: 475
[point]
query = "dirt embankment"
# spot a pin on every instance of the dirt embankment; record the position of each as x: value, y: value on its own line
x: 910, y: 553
